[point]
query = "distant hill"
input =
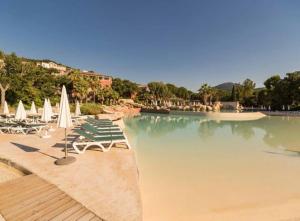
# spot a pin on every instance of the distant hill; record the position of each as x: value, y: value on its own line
x: 227, y: 86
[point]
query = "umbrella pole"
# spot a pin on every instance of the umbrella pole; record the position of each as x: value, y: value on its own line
x: 66, y: 159
x: 66, y: 150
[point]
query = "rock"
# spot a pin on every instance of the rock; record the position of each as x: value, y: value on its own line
x: 209, y: 108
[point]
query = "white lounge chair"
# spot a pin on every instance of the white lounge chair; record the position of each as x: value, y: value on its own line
x: 88, y: 139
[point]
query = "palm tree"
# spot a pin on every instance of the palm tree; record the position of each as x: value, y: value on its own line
x: 205, y: 92
x: 80, y: 86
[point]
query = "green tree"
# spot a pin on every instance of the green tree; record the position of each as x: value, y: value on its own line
x: 80, y: 86
x: 2, y: 54
x: 233, y: 93
x: 159, y: 91
x: 205, y: 92
x: 125, y: 88
x: 182, y: 93
x: 10, y: 75
x: 248, y: 87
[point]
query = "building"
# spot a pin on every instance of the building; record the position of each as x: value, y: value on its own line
x: 52, y: 65
x: 104, y: 80
x: 143, y: 87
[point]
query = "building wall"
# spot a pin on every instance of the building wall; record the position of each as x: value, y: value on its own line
x: 106, y: 81
x: 62, y: 69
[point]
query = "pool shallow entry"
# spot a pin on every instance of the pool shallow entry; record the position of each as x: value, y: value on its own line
x: 195, y: 168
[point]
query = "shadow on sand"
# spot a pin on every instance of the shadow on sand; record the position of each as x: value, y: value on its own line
x: 31, y: 149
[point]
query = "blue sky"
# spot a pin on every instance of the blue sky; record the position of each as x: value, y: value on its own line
x: 185, y: 42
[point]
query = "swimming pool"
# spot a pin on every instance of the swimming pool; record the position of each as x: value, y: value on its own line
x: 193, y: 168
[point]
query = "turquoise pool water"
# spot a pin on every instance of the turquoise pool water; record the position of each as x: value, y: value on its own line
x: 192, y: 168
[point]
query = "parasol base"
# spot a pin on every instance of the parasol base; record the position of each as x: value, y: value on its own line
x: 65, y: 160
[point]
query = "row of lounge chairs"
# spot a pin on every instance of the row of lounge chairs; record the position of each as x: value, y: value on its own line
x: 98, y: 133
x: 21, y: 127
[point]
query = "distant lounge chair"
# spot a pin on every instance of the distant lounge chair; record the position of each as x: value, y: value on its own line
x: 99, y: 121
x: 20, y: 127
x: 4, y: 128
x: 103, y: 125
x: 33, y: 127
x: 91, y: 139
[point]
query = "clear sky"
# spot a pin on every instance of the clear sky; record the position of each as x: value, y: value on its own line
x: 186, y: 42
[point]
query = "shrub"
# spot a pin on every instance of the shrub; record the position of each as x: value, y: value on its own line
x: 89, y: 109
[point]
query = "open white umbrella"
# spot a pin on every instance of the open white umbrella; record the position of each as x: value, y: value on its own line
x: 64, y: 121
x: 5, y: 108
x: 21, y: 113
x: 77, y: 109
x: 46, y: 115
x: 33, y: 108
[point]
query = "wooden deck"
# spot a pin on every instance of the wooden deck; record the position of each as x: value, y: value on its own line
x: 32, y: 198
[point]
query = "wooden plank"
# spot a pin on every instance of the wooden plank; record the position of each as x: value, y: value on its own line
x: 36, y: 210
x: 67, y: 212
x: 50, y: 208
x: 68, y: 203
x: 30, y: 202
x: 11, y: 189
x: 16, y: 199
x: 96, y: 218
x: 87, y: 216
x: 16, y: 181
x: 42, y: 209
x: 30, y: 185
x: 32, y: 198
x: 12, y: 186
x: 77, y: 215
x: 21, y: 195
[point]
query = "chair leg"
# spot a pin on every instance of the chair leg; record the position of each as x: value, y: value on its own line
x: 128, y: 144
x: 77, y: 150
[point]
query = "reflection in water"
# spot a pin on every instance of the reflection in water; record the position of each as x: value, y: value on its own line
x: 158, y: 125
x: 279, y: 131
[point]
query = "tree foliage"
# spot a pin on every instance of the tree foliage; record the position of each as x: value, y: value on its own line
x: 125, y: 88
x: 22, y: 79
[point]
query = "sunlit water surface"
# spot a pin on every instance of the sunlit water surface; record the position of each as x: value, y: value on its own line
x: 195, y: 169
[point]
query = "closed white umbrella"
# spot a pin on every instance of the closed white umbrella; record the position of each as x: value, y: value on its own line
x: 50, y: 108
x: 21, y: 113
x: 33, y: 108
x: 77, y: 109
x: 64, y: 121
x: 57, y: 107
x: 5, y: 108
x: 45, y: 113
x: 50, y: 113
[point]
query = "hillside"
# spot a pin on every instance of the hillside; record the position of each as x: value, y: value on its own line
x: 227, y: 86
